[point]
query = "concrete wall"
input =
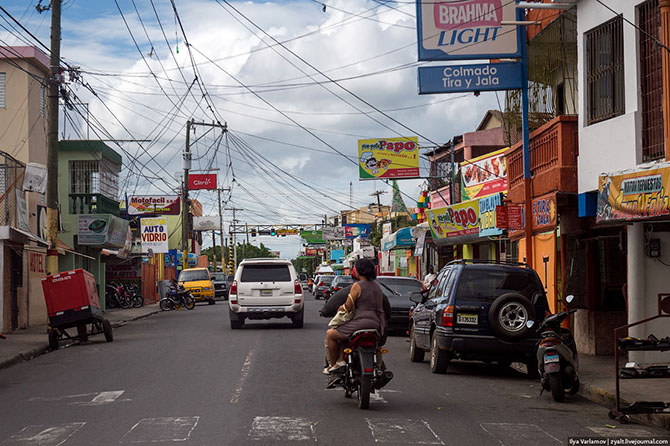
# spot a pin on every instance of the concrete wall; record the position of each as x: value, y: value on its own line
x: 656, y: 281
x: 614, y: 144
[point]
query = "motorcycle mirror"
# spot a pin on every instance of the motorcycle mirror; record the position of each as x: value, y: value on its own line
x: 569, y: 298
x: 530, y: 324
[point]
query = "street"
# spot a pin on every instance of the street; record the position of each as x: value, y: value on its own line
x: 186, y: 376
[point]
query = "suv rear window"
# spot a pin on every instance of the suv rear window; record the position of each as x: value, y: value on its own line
x: 485, y: 284
x: 326, y: 279
x: 265, y: 273
x: 192, y: 276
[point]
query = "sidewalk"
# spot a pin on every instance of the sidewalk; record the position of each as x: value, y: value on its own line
x: 24, y: 345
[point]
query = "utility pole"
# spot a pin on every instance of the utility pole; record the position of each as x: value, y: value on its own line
x: 377, y: 193
x: 214, y: 250
x: 220, y: 229
x: 186, y: 163
x: 52, y: 141
x: 232, y: 235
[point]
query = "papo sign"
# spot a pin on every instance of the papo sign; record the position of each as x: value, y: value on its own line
x: 154, y: 234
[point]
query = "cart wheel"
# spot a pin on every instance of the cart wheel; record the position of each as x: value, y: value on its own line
x: 624, y: 419
x: 82, y: 333
x: 611, y: 415
x: 53, y: 339
x: 107, y: 330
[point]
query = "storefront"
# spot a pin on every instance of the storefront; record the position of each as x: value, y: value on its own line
x: 398, y: 250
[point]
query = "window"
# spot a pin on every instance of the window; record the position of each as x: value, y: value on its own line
x: 604, y: 71
x: 3, y: 90
x: 486, y: 284
x: 265, y: 273
x: 433, y: 289
x: 193, y: 275
x: 651, y: 83
x: 94, y: 177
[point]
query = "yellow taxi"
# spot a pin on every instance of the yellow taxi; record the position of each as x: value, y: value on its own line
x: 198, y: 282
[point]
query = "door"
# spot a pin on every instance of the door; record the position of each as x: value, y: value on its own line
x: 15, y: 282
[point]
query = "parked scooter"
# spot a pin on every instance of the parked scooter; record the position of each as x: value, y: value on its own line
x: 557, y: 358
x: 363, y: 372
x: 177, y: 296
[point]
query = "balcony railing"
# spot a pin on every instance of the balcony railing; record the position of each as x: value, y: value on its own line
x: 93, y: 204
x: 553, y: 158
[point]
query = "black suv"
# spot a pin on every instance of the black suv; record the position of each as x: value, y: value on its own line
x: 478, y: 310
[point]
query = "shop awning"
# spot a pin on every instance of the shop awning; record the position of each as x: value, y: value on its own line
x: 401, y: 239
x: 325, y: 269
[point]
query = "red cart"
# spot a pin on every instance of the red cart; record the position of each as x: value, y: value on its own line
x: 72, y: 301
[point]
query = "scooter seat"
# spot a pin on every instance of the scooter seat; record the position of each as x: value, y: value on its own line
x: 363, y: 332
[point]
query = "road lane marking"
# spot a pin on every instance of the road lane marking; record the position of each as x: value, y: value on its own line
x: 59, y: 398
x: 98, y: 399
x: 41, y: 435
x: 513, y: 434
x: 243, y: 377
x: 154, y: 430
x: 403, y: 431
x: 377, y: 398
x: 621, y: 432
x: 282, y: 429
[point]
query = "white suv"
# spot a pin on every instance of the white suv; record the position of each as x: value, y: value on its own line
x: 266, y: 289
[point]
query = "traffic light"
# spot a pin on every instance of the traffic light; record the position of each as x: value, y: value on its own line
x: 273, y: 232
x: 253, y: 232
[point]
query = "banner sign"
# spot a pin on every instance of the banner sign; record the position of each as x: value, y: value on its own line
x: 388, y: 158
x: 487, y: 215
x: 206, y: 223
x: 154, y: 204
x: 467, y: 29
x: 21, y: 211
x: 509, y: 217
x: 464, y: 78
x: 333, y: 233
x: 457, y: 221
x: 154, y: 234
x: 101, y: 229
x: 544, y: 212
x: 313, y: 237
x: 288, y: 232
x: 636, y: 195
x: 202, y: 181
x: 484, y: 175
x: 355, y: 230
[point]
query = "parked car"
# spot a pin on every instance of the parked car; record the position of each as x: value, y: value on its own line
x: 322, y: 285
x: 265, y: 289
x: 220, y: 282
x: 337, y: 284
x: 198, y: 282
x: 478, y: 311
x: 398, y: 290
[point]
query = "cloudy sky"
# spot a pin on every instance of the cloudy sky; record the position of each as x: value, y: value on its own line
x: 296, y: 83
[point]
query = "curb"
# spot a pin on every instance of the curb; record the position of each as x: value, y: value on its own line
x: 608, y: 400
x: 38, y: 351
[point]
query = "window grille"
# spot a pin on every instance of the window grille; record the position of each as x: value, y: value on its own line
x: 651, y: 81
x: 3, y: 90
x: 605, y: 71
x: 94, y: 177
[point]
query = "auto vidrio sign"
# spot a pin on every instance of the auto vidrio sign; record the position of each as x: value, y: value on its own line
x: 154, y: 234
x: 466, y: 29
x: 202, y: 181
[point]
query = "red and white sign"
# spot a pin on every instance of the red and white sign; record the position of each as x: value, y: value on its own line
x: 202, y: 181
x: 510, y: 217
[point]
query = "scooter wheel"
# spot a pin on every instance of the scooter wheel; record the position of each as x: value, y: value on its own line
x: 624, y: 419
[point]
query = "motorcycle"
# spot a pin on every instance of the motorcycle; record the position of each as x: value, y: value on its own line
x: 364, y: 372
x: 176, y: 296
x: 557, y: 358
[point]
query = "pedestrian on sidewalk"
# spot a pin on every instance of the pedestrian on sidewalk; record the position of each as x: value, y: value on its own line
x: 429, y: 278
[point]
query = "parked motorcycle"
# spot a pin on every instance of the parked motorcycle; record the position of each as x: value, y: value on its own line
x: 557, y: 357
x: 176, y: 296
x: 364, y: 372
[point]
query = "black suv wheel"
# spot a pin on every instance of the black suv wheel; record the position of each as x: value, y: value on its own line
x: 415, y: 353
x: 439, y: 359
x: 508, y: 316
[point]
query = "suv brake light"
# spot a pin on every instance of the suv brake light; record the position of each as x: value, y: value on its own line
x: 297, y: 288
x: 233, y: 290
x: 448, y: 316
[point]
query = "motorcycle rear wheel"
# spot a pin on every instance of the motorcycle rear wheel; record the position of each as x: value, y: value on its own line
x: 138, y: 301
x: 557, y: 390
x: 364, y: 386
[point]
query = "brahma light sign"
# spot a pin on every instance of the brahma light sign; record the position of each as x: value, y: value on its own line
x: 467, y: 29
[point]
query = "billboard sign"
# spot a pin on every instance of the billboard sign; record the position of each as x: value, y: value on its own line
x: 154, y: 204
x: 467, y: 29
x: 201, y: 181
x: 313, y: 237
x: 357, y: 230
x: 458, y: 221
x: 388, y: 158
x: 487, y: 215
x: 206, y: 223
x: 464, y: 78
x: 484, y: 175
x: 635, y: 195
x: 154, y: 234
x: 333, y: 233
x: 101, y: 229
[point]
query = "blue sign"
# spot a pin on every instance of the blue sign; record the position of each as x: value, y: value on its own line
x: 487, y: 215
x: 477, y: 77
x: 468, y: 29
x: 336, y: 255
x: 357, y: 230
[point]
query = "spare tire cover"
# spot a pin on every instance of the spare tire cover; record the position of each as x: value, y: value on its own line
x: 508, y: 315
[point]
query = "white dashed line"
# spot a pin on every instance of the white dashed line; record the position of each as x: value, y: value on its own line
x: 243, y: 376
x: 41, y: 435
x: 282, y: 429
x: 154, y: 430
x: 403, y: 431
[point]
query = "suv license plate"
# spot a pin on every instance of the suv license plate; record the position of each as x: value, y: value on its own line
x: 467, y: 319
x: 548, y: 359
x: 266, y: 292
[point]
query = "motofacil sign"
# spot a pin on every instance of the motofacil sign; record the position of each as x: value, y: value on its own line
x: 467, y: 29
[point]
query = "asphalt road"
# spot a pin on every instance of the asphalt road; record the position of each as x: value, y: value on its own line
x: 186, y: 376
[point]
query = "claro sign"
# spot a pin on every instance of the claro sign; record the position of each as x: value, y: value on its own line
x: 202, y: 181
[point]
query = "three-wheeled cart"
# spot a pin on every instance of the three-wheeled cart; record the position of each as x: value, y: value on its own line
x: 72, y: 302
x: 623, y: 410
